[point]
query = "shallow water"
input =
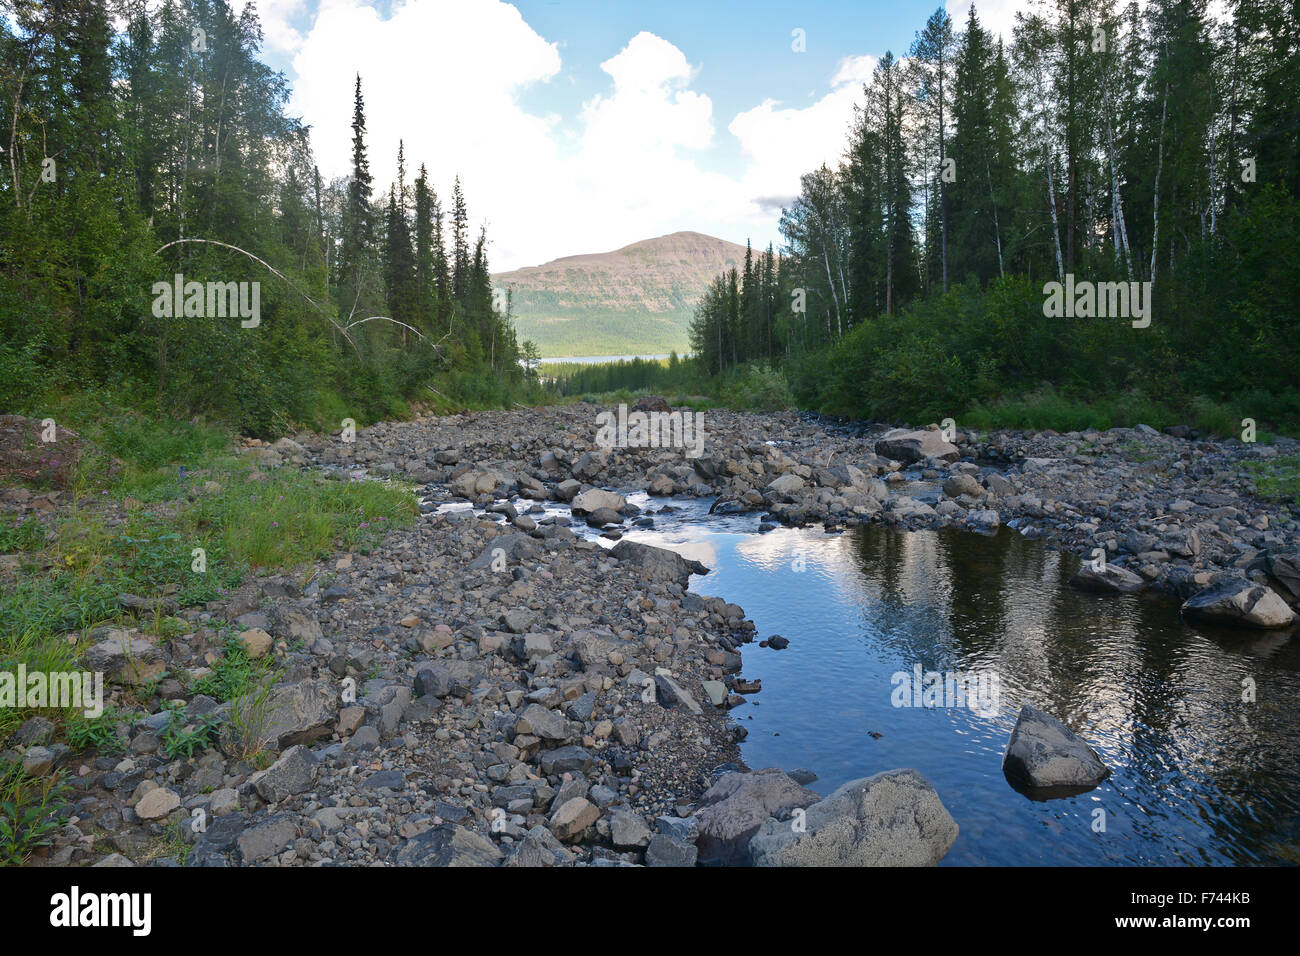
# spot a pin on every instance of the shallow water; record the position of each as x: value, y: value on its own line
x: 1199, y: 776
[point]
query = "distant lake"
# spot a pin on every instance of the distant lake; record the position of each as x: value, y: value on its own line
x: 594, y: 359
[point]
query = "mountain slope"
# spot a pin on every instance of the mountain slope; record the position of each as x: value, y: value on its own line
x: 638, y: 299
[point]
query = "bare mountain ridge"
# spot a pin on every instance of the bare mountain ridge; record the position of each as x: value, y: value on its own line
x: 637, y: 299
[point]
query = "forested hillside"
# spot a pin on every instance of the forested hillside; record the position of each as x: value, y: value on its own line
x: 133, y: 156
x: 1157, y: 148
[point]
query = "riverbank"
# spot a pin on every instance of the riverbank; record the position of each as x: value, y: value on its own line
x: 487, y: 686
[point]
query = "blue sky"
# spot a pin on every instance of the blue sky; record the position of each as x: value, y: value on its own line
x: 580, y: 126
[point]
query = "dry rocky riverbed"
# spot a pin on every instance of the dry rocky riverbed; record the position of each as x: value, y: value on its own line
x: 524, y: 696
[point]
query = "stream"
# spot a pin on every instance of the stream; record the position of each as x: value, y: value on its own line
x: 1199, y: 774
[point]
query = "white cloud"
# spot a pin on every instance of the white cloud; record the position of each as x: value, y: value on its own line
x: 443, y: 76
x: 278, y: 31
x: 783, y: 144
x: 996, y: 16
x: 446, y: 76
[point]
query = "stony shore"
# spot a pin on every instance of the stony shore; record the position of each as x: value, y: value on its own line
x: 490, y: 688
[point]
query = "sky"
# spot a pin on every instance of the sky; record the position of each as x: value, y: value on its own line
x: 581, y: 126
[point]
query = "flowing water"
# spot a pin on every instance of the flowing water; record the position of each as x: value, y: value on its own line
x: 1200, y: 775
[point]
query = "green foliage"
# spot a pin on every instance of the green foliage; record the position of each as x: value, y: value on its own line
x: 283, y: 520
x: 27, y: 533
x: 650, y: 375
x: 31, y: 810
x: 181, y: 739
x: 31, y: 647
x: 1277, y: 479
x: 98, y: 734
x: 756, y: 386
x: 250, y: 714
x: 230, y: 672
x: 80, y: 253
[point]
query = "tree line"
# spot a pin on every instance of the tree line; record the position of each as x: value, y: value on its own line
x: 1099, y: 142
x: 165, y: 148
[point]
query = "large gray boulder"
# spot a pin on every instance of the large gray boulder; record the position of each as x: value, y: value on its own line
x: 506, y: 550
x: 474, y: 483
x: 448, y: 845
x: 672, y: 694
x: 542, y: 722
x: 591, y: 465
x: 785, y: 485
x: 659, y: 563
x: 1286, y: 569
x: 958, y: 485
x: 268, y: 838
x: 292, y: 623
x: 1044, y: 754
x: 913, y: 446
x: 301, y: 713
x: 1107, y: 579
x: 1239, y: 602
x: 125, y: 659
x: 894, y: 818
x: 594, y: 499
x: 733, y: 809
x: 292, y: 774
x: 539, y: 847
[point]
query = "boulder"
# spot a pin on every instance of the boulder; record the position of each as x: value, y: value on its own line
x: 657, y: 563
x: 1240, y: 602
x: 785, y: 485
x: 572, y: 759
x: 474, y: 483
x: 660, y: 486
x: 267, y: 838
x: 157, y: 803
x: 591, y: 465
x: 123, y: 659
x: 290, y: 775
x: 567, y: 489
x: 301, y: 713
x: 1107, y: 579
x: 593, y: 499
x: 734, y: 808
x: 604, y: 516
x: 1044, y: 754
x: 627, y: 829
x: 998, y: 484
x: 541, y: 722
x: 668, y: 850
x: 448, y: 845
x: 509, y: 548
x: 910, y: 447
x: 539, y: 847
x: 672, y: 694
x: 651, y: 403
x: 256, y: 641
x: 1286, y: 569
x: 958, y: 485
x: 293, y: 624
x: 893, y: 818
x: 572, y: 817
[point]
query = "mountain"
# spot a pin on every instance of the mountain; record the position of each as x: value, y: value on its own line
x: 634, y: 300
